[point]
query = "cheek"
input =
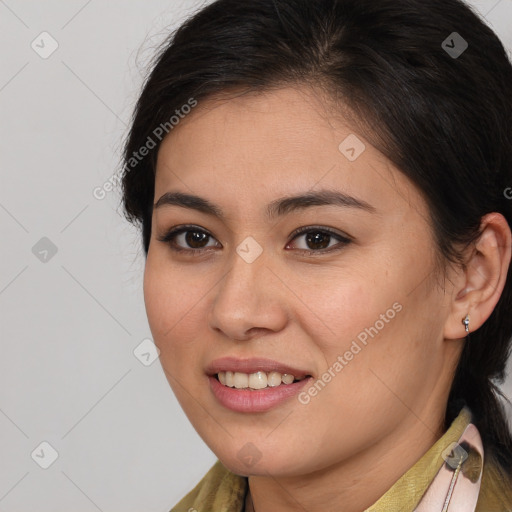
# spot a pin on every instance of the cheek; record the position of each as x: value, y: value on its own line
x: 173, y: 305
x: 386, y: 360
x: 368, y: 317
x: 338, y: 306
x: 174, y: 312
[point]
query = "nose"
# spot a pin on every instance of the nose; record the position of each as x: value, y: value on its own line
x: 249, y: 300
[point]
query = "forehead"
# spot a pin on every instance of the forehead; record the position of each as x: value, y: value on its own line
x: 261, y: 145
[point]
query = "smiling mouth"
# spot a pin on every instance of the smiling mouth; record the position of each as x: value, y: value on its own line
x: 256, y: 381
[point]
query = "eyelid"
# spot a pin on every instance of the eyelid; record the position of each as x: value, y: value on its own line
x: 169, y: 236
x: 324, y: 229
x: 343, y: 240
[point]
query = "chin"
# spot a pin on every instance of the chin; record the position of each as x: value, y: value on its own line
x: 246, y: 463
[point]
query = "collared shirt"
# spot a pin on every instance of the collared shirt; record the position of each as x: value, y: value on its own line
x: 220, y: 490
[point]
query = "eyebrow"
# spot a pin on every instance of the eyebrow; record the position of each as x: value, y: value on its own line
x: 277, y: 208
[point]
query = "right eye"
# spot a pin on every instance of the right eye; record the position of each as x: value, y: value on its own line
x: 192, y: 236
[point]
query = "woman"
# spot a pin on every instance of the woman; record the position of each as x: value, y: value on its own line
x: 322, y: 190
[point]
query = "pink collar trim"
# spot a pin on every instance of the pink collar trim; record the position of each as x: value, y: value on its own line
x: 456, y: 486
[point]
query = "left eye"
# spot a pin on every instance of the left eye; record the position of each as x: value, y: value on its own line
x: 317, y: 240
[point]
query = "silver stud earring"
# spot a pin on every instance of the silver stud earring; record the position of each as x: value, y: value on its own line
x: 465, y: 321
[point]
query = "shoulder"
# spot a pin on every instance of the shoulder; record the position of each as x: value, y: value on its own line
x: 219, y: 489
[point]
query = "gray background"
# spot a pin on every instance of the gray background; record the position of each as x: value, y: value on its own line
x: 70, y: 321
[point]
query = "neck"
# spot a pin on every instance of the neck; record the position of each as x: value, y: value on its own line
x: 350, y: 486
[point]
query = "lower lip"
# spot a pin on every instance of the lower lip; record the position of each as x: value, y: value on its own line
x: 241, y: 400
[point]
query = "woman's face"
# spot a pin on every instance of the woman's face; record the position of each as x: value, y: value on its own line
x: 360, y: 315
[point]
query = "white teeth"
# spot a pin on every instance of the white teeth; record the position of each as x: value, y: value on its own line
x: 287, y: 378
x: 274, y: 379
x: 258, y: 380
x: 241, y: 380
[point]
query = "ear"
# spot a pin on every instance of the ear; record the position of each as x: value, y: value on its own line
x: 479, y: 287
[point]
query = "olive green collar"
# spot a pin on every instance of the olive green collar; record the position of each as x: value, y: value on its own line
x: 407, y: 491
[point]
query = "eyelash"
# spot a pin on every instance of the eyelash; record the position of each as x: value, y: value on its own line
x: 169, y: 238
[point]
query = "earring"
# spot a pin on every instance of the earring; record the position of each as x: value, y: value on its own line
x: 465, y: 321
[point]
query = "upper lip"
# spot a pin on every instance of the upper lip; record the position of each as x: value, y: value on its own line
x: 252, y: 365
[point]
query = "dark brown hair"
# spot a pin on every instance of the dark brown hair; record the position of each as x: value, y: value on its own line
x: 443, y: 119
